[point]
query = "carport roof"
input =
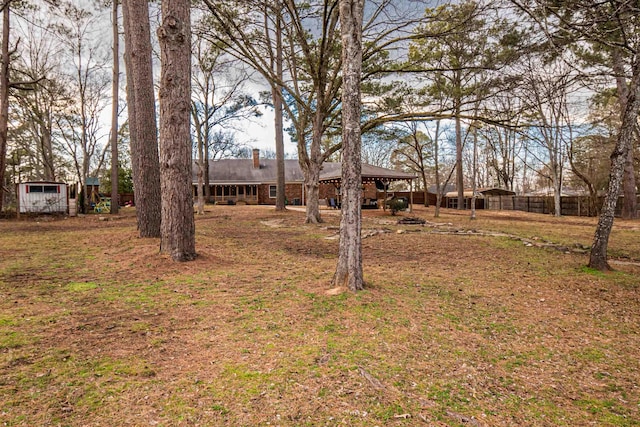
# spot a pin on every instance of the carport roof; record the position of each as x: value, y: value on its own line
x: 332, y: 172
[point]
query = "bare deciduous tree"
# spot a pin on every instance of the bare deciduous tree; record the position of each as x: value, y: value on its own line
x: 586, y: 27
x: 547, y: 90
x: 219, y: 105
x: 88, y: 81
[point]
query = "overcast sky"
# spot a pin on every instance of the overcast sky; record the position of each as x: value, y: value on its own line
x: 261, y: 134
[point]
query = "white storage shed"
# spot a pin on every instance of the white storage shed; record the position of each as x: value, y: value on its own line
x: 42, y: 197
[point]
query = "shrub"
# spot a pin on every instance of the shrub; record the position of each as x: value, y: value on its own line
x: 396, y: 205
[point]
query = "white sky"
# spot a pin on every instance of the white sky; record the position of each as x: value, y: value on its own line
x: 260, y: 133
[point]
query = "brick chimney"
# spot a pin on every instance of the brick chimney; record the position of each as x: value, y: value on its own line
x: 256, y: 158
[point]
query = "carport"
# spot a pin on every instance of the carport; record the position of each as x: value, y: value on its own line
x: 380, y: 177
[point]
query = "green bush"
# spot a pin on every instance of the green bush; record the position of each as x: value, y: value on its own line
x: 397, y: 205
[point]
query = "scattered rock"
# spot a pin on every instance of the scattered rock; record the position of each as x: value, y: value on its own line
x: 412, y: 221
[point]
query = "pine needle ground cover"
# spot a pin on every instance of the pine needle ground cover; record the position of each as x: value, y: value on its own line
x: 493, y: 322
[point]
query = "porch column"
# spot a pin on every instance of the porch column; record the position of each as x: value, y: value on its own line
x: 384, y: 203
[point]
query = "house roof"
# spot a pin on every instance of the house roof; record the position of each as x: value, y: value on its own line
x: 241, y: 172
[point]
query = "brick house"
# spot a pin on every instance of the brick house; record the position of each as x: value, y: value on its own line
x: 253, y: 181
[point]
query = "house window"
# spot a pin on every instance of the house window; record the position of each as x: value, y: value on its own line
x: 50, y: 188
x: 272, y: 191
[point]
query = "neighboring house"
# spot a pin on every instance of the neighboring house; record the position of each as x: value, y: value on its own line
x: 253, y: 181
x: 42, y: 197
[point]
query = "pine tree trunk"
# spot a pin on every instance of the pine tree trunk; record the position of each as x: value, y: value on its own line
x: 114, y: 112
x: 142, y: 116
x: 349, y: 269
x: 178, y: 226
x: 598, y: 256
x: 277, y: 105
x: 4, y: 99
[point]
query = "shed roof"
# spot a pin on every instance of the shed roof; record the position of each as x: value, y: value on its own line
x: 496, y: 192
x: 43, y: 182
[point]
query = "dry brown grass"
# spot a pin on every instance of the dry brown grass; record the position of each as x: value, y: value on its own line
x: 462, y: 323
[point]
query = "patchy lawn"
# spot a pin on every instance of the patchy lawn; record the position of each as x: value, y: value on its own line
x: 493, y: 322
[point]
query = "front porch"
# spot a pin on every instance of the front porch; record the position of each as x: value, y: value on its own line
x: 225, y: 194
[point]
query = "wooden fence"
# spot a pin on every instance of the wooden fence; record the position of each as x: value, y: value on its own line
x: 418, y: 197
x: 570, y: 205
